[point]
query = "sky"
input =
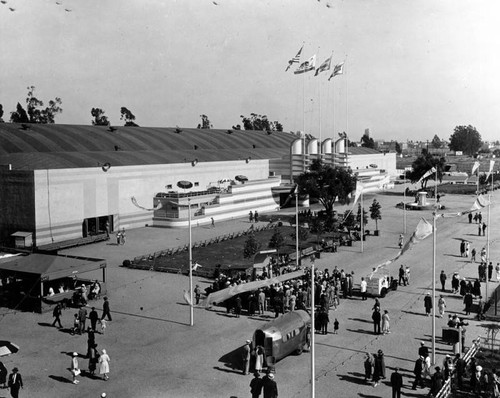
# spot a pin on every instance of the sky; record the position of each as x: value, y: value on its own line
x: 413, y: 69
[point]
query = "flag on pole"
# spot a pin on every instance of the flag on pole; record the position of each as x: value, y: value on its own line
x: 306, y: 66
x: 475, y: 167
x: 492, y: 164
x: 359, y: 190
x: 294, y: 60
x: 427, y: 174
x: 337, y: 70
x: 479, y: 203
x: 324, y: 66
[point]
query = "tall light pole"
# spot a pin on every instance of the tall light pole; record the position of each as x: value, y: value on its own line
x: 297, y: 225
x: 187, y: 185
x: 404, y: 204
x: 434, y: 216
x: 190, y: 251
x: 313, y: 377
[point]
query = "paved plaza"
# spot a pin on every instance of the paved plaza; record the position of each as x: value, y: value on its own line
x: 155, y: 353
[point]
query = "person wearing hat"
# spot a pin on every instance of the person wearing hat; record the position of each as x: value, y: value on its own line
x: 428, y: 304
x: 256, y: 385
x: 105, y: 309
x: 104, y: 364
x: 74, y: 369
x: 269, y: 386
x: 378, y: 368
x: 437, y: 381
x: 15, y: 383
x: 396, y: 383
x: 423, y: 351
x: 197, y: 294
x: 246, y: 357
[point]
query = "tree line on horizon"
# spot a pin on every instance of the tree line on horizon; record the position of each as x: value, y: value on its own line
x: 464, y: 138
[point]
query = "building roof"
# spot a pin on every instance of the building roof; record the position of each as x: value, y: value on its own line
x: 359, y: 150
x: 52, y: 146
x: 48, y: 267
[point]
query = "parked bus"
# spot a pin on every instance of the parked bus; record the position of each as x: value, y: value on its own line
x: 283, y: 336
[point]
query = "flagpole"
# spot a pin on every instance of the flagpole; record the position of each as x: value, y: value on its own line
x: 362, y: 226
x: 434, y: 216
x: 488, y: 237
x: 404, y: 205
x: 312, y: 333
x: 297, y: 225
x: 190, y: 251
x: 346, y: 100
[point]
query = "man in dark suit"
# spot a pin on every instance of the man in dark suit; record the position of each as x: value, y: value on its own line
x: 419, y: 367
x: 396, y: 383
x: 270, y: 387
x: 15, y: 383
x: 105, y: 309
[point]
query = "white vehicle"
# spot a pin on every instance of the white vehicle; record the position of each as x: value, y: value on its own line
x: 378, y: 284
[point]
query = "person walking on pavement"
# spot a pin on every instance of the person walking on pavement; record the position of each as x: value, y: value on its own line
x: 473, y: 255
x: 460, y: 369
x: 441, y: 306
x: 437, y: 381
x: 363, y: 287
x: 82, y: 317
x: 15, y: 383
x: 56, y: 313
x: 250, y: 216
x: 378, y: 368
x: 246, y: 357
x: 402, y: 275
x: 376, y: 317
x: 368, y: 365
x: 104, y: 361
x: 386, y: 327
x: 105, y: 309
x: 442, y: 279
x: 401, y: 240
x: 94, y: 317
x: 269, y: 386
x: 75, y: 370
x: 396, y: 383
x: 3, y: 375
x: 417, y: 371
x: 256, y: 385
x: 428, y: 304
x: 490, y: 270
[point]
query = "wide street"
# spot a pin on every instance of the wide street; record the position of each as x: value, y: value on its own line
x: 155, y: 353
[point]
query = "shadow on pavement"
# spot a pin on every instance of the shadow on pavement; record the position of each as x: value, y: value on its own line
x: 46, y: 324
x: 360, y: 320
x: 360, y: 331
x: 60, y: 379
x: 232, y: 361
x: 149, y: 317
x: 353, y: 379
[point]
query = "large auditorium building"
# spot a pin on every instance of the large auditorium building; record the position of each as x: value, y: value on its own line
x: 65, y: 182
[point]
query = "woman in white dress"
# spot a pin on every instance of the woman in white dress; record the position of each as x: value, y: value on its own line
x: 104, y: 364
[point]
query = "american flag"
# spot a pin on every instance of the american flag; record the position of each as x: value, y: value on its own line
x: 294, y: 60
x: 324, y: 66
x: 337, y: 70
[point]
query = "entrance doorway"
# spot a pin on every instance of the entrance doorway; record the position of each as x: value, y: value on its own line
x: 97, y: 225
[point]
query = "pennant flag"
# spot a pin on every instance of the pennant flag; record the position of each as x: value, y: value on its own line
x: 475, y: 167
x: 306, y: 66
x: 324, y: 66
x: 359, y: 190
x: 479, y: 203
x: 423, y: 230
x: 427, y: 174
x: 292, y: 193
x: 337, y: 70
x: 492, y: 164
x: 294, y: 60
x: 157, y: 207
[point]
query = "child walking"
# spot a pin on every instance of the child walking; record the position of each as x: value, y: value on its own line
x: 335, y: 326
x: 103, y: 325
